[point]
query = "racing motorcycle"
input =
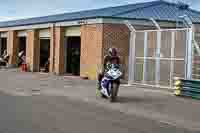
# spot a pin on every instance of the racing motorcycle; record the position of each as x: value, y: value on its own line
x: 4, y: 60
x: 110, y: 83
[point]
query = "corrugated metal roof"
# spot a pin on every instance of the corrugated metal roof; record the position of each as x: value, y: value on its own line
x: 159, y: 10
x: 162, y: 11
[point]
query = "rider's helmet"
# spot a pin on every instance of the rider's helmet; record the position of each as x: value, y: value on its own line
x: 112, y: 52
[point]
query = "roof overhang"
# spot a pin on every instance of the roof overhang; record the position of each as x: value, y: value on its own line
x: 98, y: 20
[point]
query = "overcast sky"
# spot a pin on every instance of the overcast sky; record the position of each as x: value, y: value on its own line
x: 14, y: 9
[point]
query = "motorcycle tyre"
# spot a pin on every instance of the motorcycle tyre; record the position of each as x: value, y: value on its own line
x: 114, y: 91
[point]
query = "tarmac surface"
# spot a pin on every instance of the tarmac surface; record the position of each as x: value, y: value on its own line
x: 42, y: 103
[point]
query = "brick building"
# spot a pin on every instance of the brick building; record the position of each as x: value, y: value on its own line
x: 92, y: 32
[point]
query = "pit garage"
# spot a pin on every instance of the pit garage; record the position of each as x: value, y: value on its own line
x: 72, y: 51
x: 44, y: 41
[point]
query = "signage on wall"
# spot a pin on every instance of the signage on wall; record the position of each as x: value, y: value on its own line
x: 81, y: 22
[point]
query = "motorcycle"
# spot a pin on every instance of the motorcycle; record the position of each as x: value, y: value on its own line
x: 110, y: 83
x: 4, y: 60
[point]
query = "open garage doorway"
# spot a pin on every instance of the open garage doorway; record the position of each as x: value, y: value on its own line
x: 3, y: 52
x: 44, y: 54
x: 21, y: 52
x: 72, y: 55
x: 3, y: 46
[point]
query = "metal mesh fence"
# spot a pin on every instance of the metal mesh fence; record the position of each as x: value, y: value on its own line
x: 160, y: 56
x: 196, y: 56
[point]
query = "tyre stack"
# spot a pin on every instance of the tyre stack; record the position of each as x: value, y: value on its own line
x: 187, y: 88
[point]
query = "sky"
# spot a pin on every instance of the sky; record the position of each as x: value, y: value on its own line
x: 17, y: 9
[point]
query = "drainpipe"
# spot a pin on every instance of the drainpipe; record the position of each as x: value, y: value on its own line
x: 131, y: 66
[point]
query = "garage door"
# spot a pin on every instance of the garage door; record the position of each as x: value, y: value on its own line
x: 72, y: 31
x: 21, y: 33
x: 3, y: 34
x: 44, y: 33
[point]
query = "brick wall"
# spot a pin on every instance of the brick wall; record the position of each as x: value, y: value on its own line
x: 116, y: 35
x: 91, y: 50
x: 95, y: 42
x: 33, y: 51
x: 52, y: 49
x: 12, y: 47
x: 59, y: 50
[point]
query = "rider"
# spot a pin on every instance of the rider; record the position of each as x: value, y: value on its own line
x: 21, y: 57
x: 111, y: 58
x: 5, y: 56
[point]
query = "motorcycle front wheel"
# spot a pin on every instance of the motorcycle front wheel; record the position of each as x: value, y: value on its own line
x: 114, y: 91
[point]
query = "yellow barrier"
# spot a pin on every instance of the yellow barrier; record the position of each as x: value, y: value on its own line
x: 177, y: 87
